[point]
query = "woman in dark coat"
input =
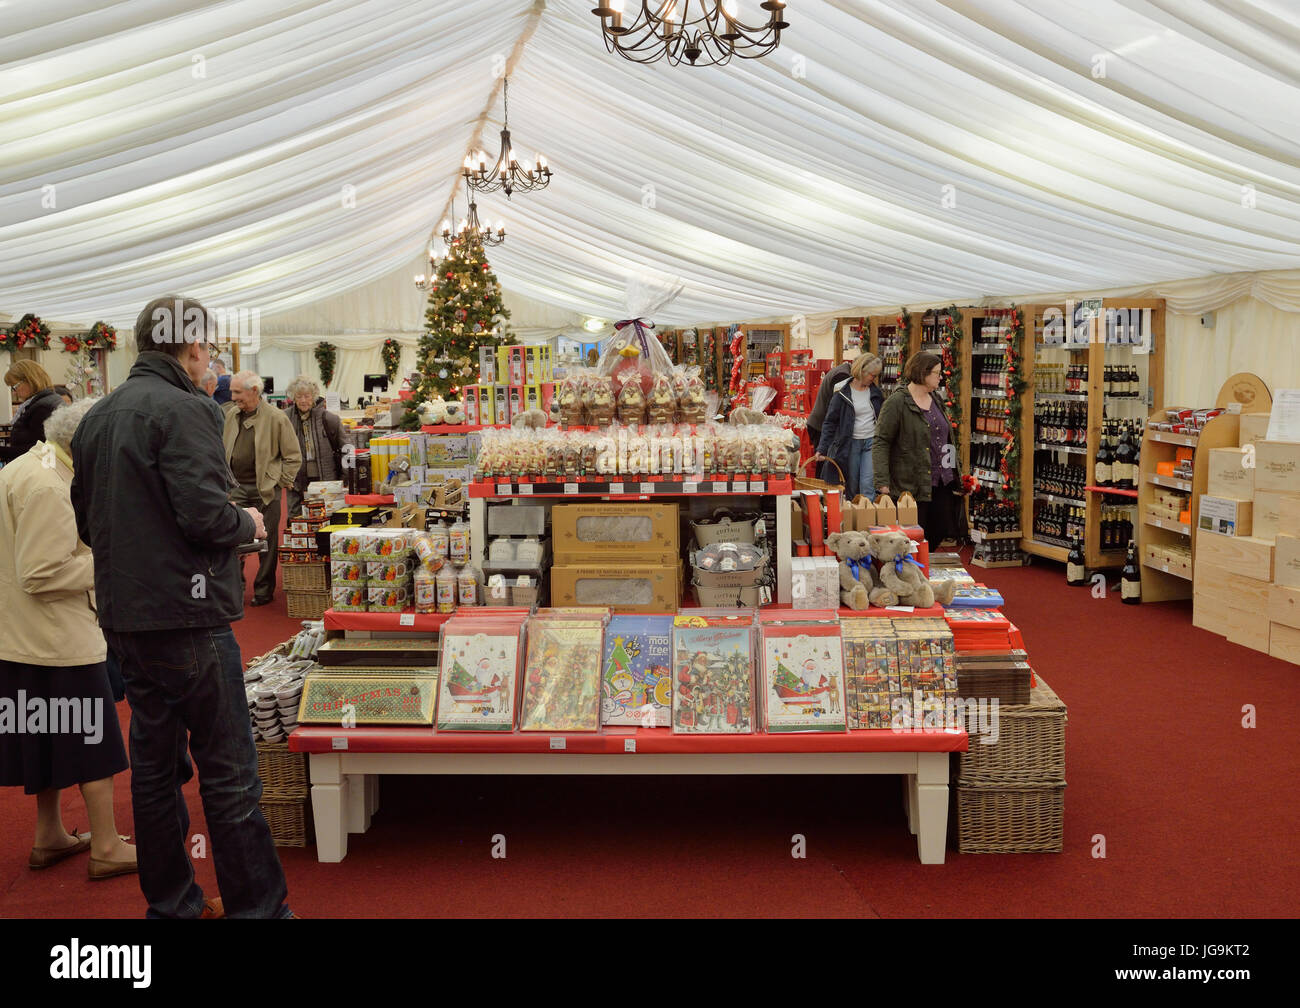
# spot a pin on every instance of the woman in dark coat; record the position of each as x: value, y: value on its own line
x: 849, y: 429
x: 35, y: 393
x: 320, y: 436
x: 915, y: 453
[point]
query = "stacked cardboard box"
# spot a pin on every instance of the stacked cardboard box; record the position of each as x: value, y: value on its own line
x: 1247, y: 577
x: 623, y: 555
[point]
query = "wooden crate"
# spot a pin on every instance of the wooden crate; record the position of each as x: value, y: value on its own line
x: 283, y: 773
x: 290, y: 821
x: 1030, y: 748
x: 1010, y: 820
x: 307, y: 604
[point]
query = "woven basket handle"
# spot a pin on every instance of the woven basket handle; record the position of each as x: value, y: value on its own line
x: 803, y: 463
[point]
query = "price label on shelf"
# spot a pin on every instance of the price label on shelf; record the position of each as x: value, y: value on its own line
x: 757, y: 486
x: 616, y: 488
x: 739, y: 486
x: 647, y: 488
x: 690, y: 487
x: 557, y: 743
x: 338, y: 743
x: 570, y: 488
x: 504, y: 489
x: 719, y: 486
x: 629, y: 745
x: 976, y: 536
x: 406, y: 619
x: 525, y: 488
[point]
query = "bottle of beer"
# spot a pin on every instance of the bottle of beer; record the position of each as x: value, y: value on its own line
x: 1075, y: 572
x: 1130, y: 579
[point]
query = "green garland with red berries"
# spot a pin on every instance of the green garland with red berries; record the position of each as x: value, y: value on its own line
x: 391, y: 354
x: 950, y: 337
x: 1016, y: 385
x: 28, y: 330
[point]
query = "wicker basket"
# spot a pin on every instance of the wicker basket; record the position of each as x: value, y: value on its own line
x: 307, y: 604
x: 1030, y: 748
x: 308, y: 577
x: 291, y: 824
x: 1010, y: 820
x: 283, y: 773
x: 802, y: 482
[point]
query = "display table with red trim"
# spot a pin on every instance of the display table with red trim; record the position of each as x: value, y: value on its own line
x: 346, y: 764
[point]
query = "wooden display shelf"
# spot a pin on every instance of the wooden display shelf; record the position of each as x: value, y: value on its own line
x: 1167, y: 437
x: 1168, y: 526
x: 984, y: 536
x: 990, y: 564
x: 1166, y: 569
x: 1046, y: 550
x: 1116, y: 491
x: 1171, y: 482
x: 1068, y: 449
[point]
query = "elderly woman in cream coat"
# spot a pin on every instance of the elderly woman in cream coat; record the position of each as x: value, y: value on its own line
x: 58, y: 720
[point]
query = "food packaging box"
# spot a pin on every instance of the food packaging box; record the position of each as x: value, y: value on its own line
x: 1254, y: 427
x: 796, y: 520
x: 1284, y: 605
x: 1284, y: 642
x: 487, y: 405
x: 1165, y: 469
x: 1276, y: 512
x: 629, y: 588
x: 1246, y: 555
x: 447, y: 451
x: 1230, y: 475
x: 582, y: 533
x: 501, y: 414
x: 487, y: 365
x: 470, y: 404
x: 516, y: 519
x: 1225, y: 516
x: 516, y: 366
x: 1277, y: 466
x: 1286, y: 560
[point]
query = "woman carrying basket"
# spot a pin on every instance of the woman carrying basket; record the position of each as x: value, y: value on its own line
x: 850, y: 427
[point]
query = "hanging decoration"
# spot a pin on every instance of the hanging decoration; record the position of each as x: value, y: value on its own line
x: 102, y: 336
x: 950, y: 338
x: 327, y: 356
x: 1016, y: 385
x: 391, y: 354
x: 71, y: 343
x: 84, y: 376
x: 736, y: 353
x: 27, y: 331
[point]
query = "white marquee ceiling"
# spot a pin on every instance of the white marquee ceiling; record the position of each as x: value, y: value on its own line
x: 275, y: 155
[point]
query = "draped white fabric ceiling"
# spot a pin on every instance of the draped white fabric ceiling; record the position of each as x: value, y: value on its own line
x: 273, y: 155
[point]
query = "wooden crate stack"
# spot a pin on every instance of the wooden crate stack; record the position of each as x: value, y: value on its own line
x: 285, y: 794
x: 1247, y: 577
x: 1010, y: 794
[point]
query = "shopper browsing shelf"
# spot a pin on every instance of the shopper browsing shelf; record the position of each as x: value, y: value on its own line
x: 320, y: 439
x: 36, y: 398
x: 265, y: 458
x: 850, y: 426
x: 914, y: 450
x: 53, y: 677
x: 151, y: 493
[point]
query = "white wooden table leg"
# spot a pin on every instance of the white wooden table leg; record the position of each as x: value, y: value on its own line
x: 784, y: 549
x: 358, y: 803
x: 372, y: 794
x: 932, y: 806
x: 328, y: 801
x: 909, y: 801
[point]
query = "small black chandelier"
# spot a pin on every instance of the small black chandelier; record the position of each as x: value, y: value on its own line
x: 506, y: 173
x: 709, y: 35
x: 471, y: 232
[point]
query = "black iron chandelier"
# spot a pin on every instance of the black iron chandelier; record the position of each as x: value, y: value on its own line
x: 709, y: 34
x: 469, y: 233
x: 506, y: 173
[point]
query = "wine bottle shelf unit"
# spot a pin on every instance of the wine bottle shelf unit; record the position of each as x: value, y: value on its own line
x: 1068, y: 449
x: 1058, y: 499
x: 1114, y: 491
x: 1171, y: 482
x: 1168, y: 526
x: 1164, y: 568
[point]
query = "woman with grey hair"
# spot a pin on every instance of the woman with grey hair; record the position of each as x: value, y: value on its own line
x: 320, y: 436
x: 53, y: 677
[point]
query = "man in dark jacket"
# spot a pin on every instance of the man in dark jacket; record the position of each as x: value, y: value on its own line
x: 151, y: 491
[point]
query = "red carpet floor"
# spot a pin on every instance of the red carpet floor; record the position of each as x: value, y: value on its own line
x: 1197, y: 812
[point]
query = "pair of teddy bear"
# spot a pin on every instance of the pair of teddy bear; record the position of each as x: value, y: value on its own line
x: 899, y: 581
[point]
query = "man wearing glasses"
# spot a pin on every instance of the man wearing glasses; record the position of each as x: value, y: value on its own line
x: 151, y: 491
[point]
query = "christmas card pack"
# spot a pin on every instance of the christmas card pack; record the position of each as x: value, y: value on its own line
x: 713, y: 688
x: 560, y: 689
x: 928, y: 668
x: 636, y: 687
x: 803, y: 677
x: 480, y: 664
x: 871, y: 671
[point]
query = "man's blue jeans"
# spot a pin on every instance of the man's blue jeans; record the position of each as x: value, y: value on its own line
x: 186, y: 690
x: 860, y: 479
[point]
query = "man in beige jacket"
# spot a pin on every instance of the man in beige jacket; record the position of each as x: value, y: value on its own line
x: 264, y: 458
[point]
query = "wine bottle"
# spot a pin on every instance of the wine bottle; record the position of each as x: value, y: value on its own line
x: 1122, y: 466
x: 1075, y: 572
x: 1130, y: 579
x: 1104, y: 470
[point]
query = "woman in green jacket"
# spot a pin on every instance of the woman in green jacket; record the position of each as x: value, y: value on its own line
x: 914, y: 450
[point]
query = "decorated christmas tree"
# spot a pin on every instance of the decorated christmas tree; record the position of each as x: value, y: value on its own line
x: 784, y: 677
x: 461, y: 677
x: 465, y: 312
